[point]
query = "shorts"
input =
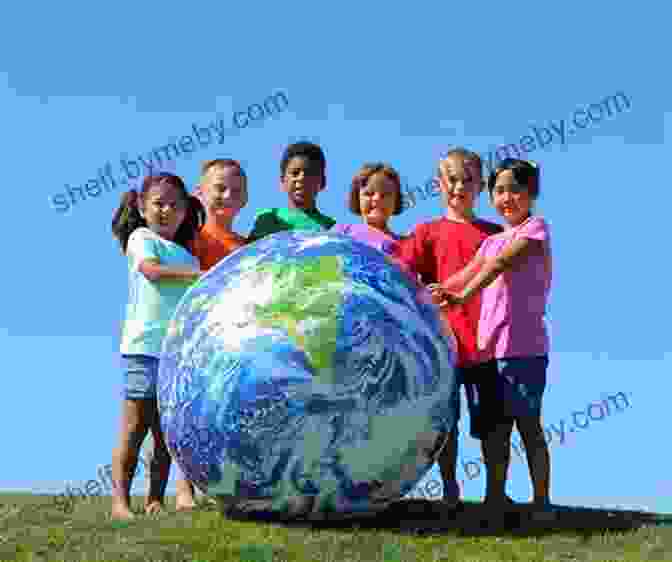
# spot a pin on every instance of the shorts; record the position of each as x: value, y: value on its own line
x: 140, y: 375
x: 518, y: 388
x: 477, y: 381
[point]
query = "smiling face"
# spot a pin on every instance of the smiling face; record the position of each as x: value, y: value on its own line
x: 378, y: 200
x: 164, y: 208
x: 225, y: 191
x: 511, y: 200
x: 460, y: 182
x: 302, y: 181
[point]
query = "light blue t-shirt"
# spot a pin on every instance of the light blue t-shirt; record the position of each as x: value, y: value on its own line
x: 151, y: 303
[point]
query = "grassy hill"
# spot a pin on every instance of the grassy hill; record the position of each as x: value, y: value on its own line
x: 35, y: 528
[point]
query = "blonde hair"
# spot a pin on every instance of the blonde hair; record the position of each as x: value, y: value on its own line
x: 468, y: 157
x: 222, y: 163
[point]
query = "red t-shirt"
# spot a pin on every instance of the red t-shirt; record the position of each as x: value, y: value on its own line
x: 438, y: 249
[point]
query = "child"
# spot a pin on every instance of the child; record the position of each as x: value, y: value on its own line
x: 223, y: 190
x: 513, y: 269
x: 154, y: 229
x: 302, y: 176
x: 375, y: 196
x: 437, y: 250
x: 224, y: 194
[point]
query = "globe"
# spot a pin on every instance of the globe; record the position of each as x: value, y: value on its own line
x: 306, y: 374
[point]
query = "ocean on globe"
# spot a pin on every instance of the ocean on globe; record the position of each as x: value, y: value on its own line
x: 306, y: 374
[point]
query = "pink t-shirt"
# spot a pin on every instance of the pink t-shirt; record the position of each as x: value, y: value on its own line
x: 513, y: 306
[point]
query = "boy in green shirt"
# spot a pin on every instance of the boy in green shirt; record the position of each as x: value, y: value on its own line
x: 302, y: 175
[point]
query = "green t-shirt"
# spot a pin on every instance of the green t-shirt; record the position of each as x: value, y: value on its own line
x: 270, y: 221
x: 151, y: 304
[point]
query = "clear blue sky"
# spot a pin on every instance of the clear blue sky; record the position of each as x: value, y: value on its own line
x: 81, y: 85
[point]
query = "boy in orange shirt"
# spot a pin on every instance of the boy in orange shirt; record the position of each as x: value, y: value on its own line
x: 223, y: 192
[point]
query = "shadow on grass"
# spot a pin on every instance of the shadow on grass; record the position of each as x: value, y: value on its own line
x: 469, y: 519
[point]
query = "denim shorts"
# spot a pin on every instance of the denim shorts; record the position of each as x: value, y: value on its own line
x: 520, y: 385
x: 140, y: 374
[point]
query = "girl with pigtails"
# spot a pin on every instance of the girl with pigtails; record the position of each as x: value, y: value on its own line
x: 154, y: 228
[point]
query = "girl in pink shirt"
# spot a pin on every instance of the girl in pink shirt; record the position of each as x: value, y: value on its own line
x: 513, y: 271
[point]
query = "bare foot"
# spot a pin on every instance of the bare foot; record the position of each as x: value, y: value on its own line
x: 185, y: 502
x: 122, y: 512
x: 153, y: 508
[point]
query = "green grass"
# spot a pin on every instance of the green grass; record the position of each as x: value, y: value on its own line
x: 33, y: 528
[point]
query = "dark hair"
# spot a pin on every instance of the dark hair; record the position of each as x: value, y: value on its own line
x: 222, y: 163
x: 127, y: 217
x: 362, y: 178
x: 308, y: 150
x: 524, y: 172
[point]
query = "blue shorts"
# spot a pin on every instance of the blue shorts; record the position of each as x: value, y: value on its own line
x: 520, y: 385
x: 140, y: 375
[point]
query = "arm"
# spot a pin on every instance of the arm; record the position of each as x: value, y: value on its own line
x: 411, y: 252
x: 459, y: 280
x: 516, y: 252
x: 153, y: 270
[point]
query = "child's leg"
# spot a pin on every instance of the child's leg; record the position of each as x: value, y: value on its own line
x: 159, y: 465
x: 125, y: 456
x: 448, y: 457
x: 496, y: 449
x: 491, y: 426
x: 448, y: 466
x: 526, y: 381
x: 184, y: 492
x: 538, y: 457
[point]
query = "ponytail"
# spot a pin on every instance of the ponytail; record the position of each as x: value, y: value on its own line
x: 127, y: 218
x: 192, y: 222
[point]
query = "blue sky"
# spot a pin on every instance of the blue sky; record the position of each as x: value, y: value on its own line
x: 82, y: 86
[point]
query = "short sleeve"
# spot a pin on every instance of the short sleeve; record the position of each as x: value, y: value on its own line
x: 142, y: 246
x: 265, y: 224
x: 339, y: 229
x: 535, y: 229
x: 412, y: 252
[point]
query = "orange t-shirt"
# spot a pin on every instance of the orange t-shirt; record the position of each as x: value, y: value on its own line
x: 213, y: 244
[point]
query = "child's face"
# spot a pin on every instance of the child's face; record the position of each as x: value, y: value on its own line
x: 378, y: 200
x: 511, y: 200
x: 460, y: 184
x: 225, y: 191
x: 163, y: 208
x: 302, y: 182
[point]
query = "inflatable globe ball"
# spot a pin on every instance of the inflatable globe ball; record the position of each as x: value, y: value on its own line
x: 307, y: 374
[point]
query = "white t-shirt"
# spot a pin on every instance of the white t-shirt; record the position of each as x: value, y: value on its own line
x: 151, y: 304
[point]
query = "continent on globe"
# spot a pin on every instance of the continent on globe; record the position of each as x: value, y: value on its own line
x: 307, y: 375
